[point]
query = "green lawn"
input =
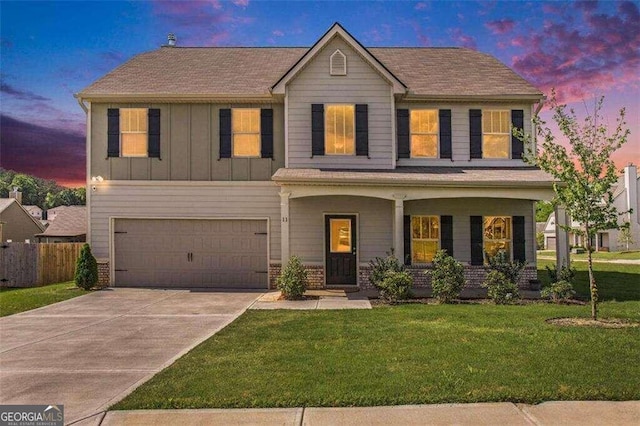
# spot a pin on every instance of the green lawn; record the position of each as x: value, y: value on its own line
x: 410, y: 354
x: 14, y: 300
x: 600, y: 255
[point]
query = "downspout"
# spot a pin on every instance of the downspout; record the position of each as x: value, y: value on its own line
x: 81, y: 103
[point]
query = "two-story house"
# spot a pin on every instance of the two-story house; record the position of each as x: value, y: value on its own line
x: 210, y: 167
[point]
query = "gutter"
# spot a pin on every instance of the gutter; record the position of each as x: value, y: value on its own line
x: 81, y: 103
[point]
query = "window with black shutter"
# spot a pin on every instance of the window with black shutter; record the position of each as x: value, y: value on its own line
x: 517, y: 144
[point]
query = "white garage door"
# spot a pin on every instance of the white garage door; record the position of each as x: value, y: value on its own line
x: 191, y: 253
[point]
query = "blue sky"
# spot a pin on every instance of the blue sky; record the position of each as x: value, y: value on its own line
x: 50, y: 50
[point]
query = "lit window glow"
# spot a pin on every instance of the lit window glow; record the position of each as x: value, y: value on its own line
x: 425, y: 238
x: 246, y: 132
x: 424, y: 133
x: 133, y: 132
x: 339, y: 130
x: 496, y: 134
x: 497, y: 234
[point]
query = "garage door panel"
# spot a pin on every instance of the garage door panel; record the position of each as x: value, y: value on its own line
x: 226, y: 253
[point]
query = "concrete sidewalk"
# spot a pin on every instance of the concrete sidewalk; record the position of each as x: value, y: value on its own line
x: 317, y: 299
x: 564, y: 413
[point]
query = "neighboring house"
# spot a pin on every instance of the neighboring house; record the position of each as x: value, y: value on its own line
x: 212, y: 166
x: 16, y: 224
x: 34, y: 211
x: 69, y: 226
x: 625, y: 198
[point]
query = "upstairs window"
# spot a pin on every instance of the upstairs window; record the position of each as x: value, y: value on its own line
x: 425, y: 238
x: 424, y: 133
x: 497, y: 234
x: 340, y: 130
x: 246, y: 132
x: 133, y: 132
x: 338, y: 63
x: 496, y: 134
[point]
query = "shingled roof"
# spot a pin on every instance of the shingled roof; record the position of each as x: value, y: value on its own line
x: 252, y: 71
x: 70, y: 221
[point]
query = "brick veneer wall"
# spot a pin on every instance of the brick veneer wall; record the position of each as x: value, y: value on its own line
x: 315, y: 273
x: 474, y: 275
x: 103, y: 273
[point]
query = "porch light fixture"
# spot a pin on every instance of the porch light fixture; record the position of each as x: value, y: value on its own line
x: 97, y: 178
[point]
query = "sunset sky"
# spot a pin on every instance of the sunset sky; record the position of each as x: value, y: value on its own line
x: 51, y: 50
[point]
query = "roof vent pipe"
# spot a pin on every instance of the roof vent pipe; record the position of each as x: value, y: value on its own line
x: 171, y: 38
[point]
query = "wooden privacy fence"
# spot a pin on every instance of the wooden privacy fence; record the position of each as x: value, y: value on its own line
x: 31, y: 265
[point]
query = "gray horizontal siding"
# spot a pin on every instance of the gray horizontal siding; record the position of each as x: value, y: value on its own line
x: 189, y: 146
x: 183, y: 201
x: 361, y: 85
x: 375, y: 235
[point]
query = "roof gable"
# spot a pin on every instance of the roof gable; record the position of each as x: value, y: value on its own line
x: 337, y: 31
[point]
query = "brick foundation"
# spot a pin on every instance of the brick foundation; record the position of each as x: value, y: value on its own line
x: 474, y: 275
x: 315, y: 273
x: 103, y: 273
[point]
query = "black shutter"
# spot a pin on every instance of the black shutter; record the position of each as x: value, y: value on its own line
x: 266, y: 133
x: 113, y: 132
x: 225, y: 133
x: 518, y: 239
x: 445, y: 133
x: 407, y: 240
x: 317, y: 129
x: 517, y: 145
x: 446, y: 234
x: 362, y: 129
x: 475, y: 133
x: 477, y: 256
x: 402, y: 129
x: 153, y: 147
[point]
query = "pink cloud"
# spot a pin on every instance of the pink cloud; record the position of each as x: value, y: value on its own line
x: 500, y: 26
x: 277, y: 33
x: 593, y: 55
x: 421, y: 6
x: 241, y: 3
x: 383, y: 32
x: 462, y: 39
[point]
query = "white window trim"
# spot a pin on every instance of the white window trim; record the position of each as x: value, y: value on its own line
x: 438, y: 241
x: 508, y: 157
x: 326, y: 108
x: 259, y: 155
x: 145, y: 155
x: 411, y: 133
x: 510, y: 239
x: 339, y: 73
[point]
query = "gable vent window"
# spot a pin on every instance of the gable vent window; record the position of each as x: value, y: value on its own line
x: 338, y: 63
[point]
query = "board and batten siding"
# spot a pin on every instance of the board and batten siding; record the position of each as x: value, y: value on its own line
x: 361, y: 85
x: 462, y: 208
x: 189, y: 200
x: 189, y: 146
x: 460, y: 140
x: 374, y: 232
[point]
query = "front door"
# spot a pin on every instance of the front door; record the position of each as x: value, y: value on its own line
x: 340, y: 241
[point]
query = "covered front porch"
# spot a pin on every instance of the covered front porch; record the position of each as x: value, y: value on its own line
x: 337, y: 226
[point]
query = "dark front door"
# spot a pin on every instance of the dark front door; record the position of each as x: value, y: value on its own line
x: 340, y: 241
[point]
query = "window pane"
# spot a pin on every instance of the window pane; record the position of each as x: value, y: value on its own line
x: 424, y: 146
x: 495, y: 146
x: 415, y: 226
x: 340, y: 235
x: 497, y: 234
x: 133, y: 120
x: 134, y: 144
x: 339, y: 129
x: 434, y: 225
x: 245, y: 120
x: 493, y: 247
x: 424, y: 251
x: 246, y: 145
x: 424, y: 121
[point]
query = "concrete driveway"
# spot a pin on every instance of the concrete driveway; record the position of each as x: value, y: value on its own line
x: 89, y: 352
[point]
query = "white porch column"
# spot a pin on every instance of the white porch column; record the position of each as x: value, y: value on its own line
x: 562, y: 238
x: 284, y: 227
x: 398, y: 227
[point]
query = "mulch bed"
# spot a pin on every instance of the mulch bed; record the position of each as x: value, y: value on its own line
x: 432, y: 301
x: 588, y: 322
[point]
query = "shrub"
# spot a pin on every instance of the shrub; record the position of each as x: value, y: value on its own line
x: 86, y: 275
x: 502, y: 263
x: 381, y: 265
x: 540, y: 240
x: 565, y: 274
x: 559, y: 291
x: 293, y: 280
x: 447, y: 277
x: 500, y: 289
x: 395, y: 286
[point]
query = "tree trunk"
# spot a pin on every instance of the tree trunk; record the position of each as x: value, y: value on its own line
x: 593, y: 289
